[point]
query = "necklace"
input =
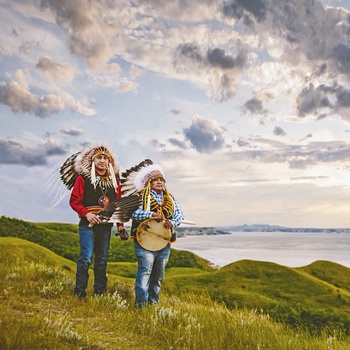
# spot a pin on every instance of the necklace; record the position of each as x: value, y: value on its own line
x: 103, y: 200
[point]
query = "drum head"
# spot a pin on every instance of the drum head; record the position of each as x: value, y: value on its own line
x: 152, y: 235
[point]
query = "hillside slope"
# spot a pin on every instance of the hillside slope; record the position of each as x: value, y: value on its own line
x: 289, y: 294
x: 63, y: 239
x: 316, y: 295
x: 38, y: 311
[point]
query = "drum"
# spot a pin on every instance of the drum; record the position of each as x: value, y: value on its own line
x: 152, y: 235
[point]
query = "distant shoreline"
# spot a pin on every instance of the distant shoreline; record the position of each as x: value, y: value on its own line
x: 191, y: 231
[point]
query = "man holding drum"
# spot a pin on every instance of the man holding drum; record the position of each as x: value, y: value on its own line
x: 153, y: 231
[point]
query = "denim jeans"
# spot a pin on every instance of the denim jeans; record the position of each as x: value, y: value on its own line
x: 96, y: 241
x: 150, y: 274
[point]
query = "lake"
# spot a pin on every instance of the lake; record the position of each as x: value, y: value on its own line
x: 293, y: 249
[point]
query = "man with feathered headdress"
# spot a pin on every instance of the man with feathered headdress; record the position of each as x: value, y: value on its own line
x: 93, y: 174
x: 158, y: 205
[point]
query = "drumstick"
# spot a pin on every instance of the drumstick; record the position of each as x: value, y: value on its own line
x: 187, y: 222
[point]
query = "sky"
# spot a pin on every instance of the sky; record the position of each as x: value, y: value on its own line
x: 245, y: 104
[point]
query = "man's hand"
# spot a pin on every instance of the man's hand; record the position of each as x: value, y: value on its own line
x: 122, y: 233
x: 93, y: 219
x: 157, y: 216
x: 168, y: 224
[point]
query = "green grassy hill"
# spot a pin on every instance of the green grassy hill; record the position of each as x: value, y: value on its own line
x: 292, y: 295
x: 38, y: 311
x: 63, y: 239
x: 316, y: 296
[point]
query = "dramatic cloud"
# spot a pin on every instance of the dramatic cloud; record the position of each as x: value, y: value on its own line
x: 20, y: 100
x: 243, y: 10
x: 13, y: 152
x: 296, y: 156
x: 88, y: 28
x: 313, y: 100
x: 254, y: 82
x: 205, y: 135
x: 222, y: 67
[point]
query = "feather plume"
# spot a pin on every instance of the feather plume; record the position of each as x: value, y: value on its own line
x: 120, y: 210
x: 128, y: 177
x: 68, y: 172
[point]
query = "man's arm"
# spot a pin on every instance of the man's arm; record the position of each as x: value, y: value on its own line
x: 178, y: 214
x: 77, y: 197
x: 141, y: 214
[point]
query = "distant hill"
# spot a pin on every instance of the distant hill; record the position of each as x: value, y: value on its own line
x: 198, y: 231
x: 224, y: 230
x: 276, y: 228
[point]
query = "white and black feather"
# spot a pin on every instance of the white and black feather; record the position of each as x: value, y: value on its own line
x: 121, y: 209
x: 128, y: 177
x: 68, y: 171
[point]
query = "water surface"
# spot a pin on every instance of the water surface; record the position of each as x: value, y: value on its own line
x: 293, y: 249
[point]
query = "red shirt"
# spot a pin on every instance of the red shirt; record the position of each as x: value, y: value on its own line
x: 77, y: 196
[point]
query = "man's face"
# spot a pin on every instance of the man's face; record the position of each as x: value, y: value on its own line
x: 157, y: 184
x: 101, y: 164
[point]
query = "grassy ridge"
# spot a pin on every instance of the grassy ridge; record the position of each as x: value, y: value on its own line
x: 37, y: 311
x: 316, y: 296
x: 291, y: 295
x: 63, y: 239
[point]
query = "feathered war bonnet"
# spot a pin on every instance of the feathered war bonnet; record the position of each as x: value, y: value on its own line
x: 139, y: 177
x: 143, y: 179
x: 83, y: 163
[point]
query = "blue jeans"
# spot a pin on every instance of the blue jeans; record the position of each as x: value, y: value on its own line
x: 150, y: 274
x: 96, y: 241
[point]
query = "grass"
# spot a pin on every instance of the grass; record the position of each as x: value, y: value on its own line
x: 38, y: 311
x: 314, y: 299
x: 63, y: 239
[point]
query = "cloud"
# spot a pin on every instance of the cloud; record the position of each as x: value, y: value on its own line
x: 254, y: 106
x: 306, y: 137
x: 312, y: 100
x: 127, y: 86
x: 175, y: 111
x: 266, y: 151
x: 242, y: 10
x: 20, y: 100
x: 221, y: 67
x: 242, y: 143
x: 88, y: 28
x: 71, y: 132
x: 177, y: 143
x: 14, y: 152
x: 83, y: 106
x: 311, y: 38
x: 220, y: 59
x: 55, y: 71
x: 341, y: 55
x: 205, y: 135
x: 278, y: 131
